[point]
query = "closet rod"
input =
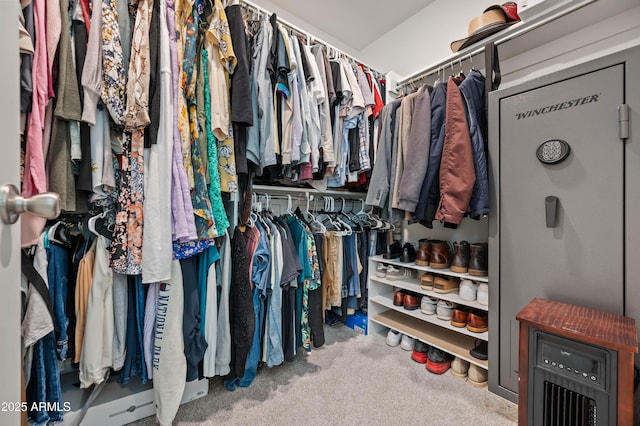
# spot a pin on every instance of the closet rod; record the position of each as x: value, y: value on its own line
x: 310, y: 37
x: 498, y: 38
x: 305, y: 190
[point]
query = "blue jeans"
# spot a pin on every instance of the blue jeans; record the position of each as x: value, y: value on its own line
x: 256, y: 347
x: 253, y: 357
x: 44, y: 385
x: 57, y: 273
x: 353, y: 283
x: 134, y: 361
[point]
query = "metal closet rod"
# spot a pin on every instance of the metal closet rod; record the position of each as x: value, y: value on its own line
x: 496, y: 39
x: 441, y: 67
x: 309, y: 37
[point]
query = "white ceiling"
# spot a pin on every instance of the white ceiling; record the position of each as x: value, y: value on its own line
x: 356, y: 23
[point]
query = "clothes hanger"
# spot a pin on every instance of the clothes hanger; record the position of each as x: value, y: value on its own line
x: 57, y: 234
x: 91, y: 223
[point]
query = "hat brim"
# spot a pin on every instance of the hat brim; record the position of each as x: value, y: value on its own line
x: 479, y: 35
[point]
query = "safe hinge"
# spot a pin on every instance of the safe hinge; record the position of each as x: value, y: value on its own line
x: 623, y: 121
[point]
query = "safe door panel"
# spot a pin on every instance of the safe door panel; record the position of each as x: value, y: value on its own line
x: 580, y: 260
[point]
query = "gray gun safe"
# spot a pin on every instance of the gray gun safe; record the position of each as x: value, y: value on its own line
x: 565, y: 205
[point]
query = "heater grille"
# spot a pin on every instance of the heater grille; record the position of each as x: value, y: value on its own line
x: 564, y: 407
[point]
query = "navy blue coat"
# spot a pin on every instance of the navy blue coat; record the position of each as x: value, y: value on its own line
x: 472, y: 89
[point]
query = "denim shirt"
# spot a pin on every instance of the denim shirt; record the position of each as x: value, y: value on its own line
x: 261, y: 275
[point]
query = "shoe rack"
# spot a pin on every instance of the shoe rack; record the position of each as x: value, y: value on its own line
x: 383, y: 314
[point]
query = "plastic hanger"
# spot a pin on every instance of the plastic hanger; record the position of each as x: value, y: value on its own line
x: 91, y: 223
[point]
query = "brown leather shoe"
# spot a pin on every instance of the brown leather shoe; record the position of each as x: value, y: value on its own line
x: 440, y: 255
x: 423, y: 256
x: 459, y: 317
x: 411, y: 301
x: 445, y: 284
x: 477, y: 322
x: 426, y: 281
x: 398, y: 298
x: 460, y: 262
x: 479, y: 261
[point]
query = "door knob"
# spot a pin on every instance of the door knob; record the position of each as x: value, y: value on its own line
x: 12, y: 204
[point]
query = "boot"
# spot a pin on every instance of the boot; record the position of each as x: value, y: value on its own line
x: 479, y: 261
x: 460, y: 262
x: 440, y: 255
x: 424, y: 252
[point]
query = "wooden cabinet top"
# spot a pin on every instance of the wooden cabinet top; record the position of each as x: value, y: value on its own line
x: 604, y: 329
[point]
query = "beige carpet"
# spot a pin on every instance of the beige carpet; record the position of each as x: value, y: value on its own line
x: 352, y: 380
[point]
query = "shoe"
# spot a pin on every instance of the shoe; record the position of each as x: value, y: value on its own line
x: 408, y: 253
x: 477, y: 322
x: 426, y: 281
x: 419, y: 353
x: 480, y: 351
x: 459, y: 317
x: 479, y: 260
x: 423, y: 257
x: 483, y: 294
x: 468, y: 290
x: 438, y: 362
x: 460, y: 262
x: 477, y: 376
x: 393, y: 251
x: 444, y: 310
x: 398, y: 298
x: 406, y: 343
x: 445, y: 284
x: 428, y: 305
x: 409, y: 273
x: 411, y: 301
x: 440, y: 255
x: 393, y: 273
x: 393, y: 337
x: 381, y: 270
x: 459, y: 368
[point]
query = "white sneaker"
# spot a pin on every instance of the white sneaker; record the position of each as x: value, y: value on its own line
x: 483, y: 294
x: 428, y: 305
x: 468, y: 290
x: 407, y: 343
x: 444, y: 310
x: 393, y: 273
x: 393, y: 337
x: 381, y: 270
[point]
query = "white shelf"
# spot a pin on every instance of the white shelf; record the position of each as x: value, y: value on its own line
x: 412, y: 265
x: 293, y: 190
x: 454, y: 343
x: 387, y: 301
x: 414, y: 285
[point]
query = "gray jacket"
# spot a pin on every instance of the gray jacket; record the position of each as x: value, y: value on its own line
x: 418, y: 143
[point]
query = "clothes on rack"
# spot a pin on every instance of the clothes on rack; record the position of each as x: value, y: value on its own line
x: 151, y: 116
x: 314, y: 125
x: 447, y: 183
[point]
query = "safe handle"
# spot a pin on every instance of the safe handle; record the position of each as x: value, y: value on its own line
x: 551, y: 210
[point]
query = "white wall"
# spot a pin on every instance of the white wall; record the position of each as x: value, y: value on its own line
x: 306, y: 26
x: 424, y: 39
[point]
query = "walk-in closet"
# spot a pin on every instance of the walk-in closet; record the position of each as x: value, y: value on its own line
x: 276, y: 211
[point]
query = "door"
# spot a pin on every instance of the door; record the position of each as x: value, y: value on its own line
x: 579, y: 259
x: 10, y: 364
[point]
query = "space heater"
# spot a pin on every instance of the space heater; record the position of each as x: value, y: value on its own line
x: 575, y: 366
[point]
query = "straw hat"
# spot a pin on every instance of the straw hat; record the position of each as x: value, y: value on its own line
x: 492, y: 20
